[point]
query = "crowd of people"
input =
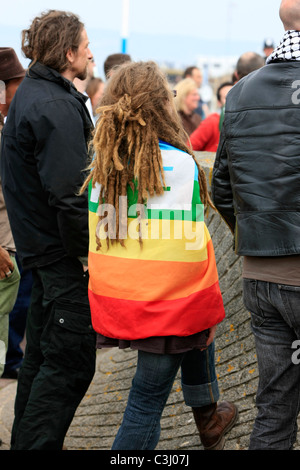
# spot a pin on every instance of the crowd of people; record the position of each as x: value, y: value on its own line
x: 98, y: 180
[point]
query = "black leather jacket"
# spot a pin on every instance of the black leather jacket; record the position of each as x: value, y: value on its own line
x: 256, y: 176
x: 43, y: 155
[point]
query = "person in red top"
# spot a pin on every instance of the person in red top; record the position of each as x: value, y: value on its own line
x: 206, y: 136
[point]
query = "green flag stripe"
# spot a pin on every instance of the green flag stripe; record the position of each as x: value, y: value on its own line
x: 195, y: 214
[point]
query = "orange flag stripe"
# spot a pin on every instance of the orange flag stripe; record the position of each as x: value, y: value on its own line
x: 146, y: 280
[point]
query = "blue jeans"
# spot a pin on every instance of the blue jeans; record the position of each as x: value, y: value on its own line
x: 275, y: 322
x: 17, y: 321
x: 151, y: 386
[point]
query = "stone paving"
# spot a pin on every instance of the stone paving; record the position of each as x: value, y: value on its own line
x: 100, y: 412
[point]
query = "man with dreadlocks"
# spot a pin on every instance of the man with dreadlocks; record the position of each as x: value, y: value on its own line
x: 153, y: 278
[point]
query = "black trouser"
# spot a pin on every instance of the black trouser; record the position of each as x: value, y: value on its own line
x: 60, y: 354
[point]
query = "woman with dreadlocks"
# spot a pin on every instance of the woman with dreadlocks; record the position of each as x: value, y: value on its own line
x: 153, y: 278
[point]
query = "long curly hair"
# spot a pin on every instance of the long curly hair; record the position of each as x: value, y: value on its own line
x: 137, y: 110
x: 50, y: 36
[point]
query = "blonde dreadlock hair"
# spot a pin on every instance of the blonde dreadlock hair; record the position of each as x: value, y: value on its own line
x: 137, y: 109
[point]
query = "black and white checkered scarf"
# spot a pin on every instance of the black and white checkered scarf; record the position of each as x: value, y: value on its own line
x: 288, y: 49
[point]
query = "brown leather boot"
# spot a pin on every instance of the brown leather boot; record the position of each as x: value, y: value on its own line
x: 213, y: 421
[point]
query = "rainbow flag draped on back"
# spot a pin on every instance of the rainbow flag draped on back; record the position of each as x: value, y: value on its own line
x: 169, y: 286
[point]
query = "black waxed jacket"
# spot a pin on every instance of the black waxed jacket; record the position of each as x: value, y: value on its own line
x: 44, y: 150
x: 256, y: 176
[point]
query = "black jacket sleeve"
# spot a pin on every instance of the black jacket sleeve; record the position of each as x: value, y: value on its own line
x: 61, y: 155
x: 221, y: 190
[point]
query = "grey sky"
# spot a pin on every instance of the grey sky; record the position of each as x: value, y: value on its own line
x: 162, y: 29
